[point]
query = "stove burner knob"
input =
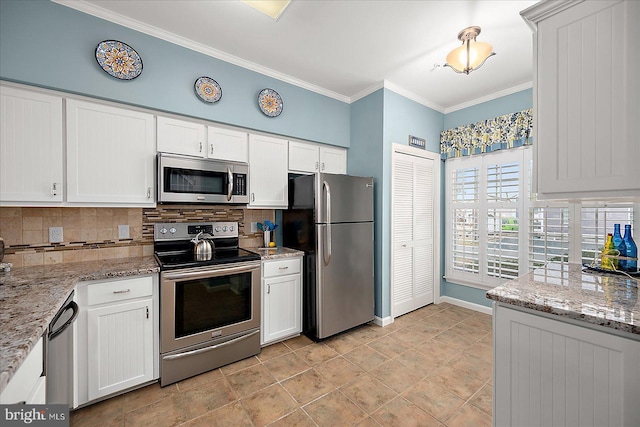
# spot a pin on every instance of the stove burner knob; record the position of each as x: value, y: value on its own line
x: 163, y: 230
x: 172, y: 230
x: 218, y: 229
x: 224, y: 228
x: 231, y: 228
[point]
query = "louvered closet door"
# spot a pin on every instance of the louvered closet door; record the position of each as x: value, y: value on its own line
x: 413, y: 190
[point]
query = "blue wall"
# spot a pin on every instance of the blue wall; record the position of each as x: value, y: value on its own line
x: 52, y: 46
x: 365, y: 158
x: 507, y: 104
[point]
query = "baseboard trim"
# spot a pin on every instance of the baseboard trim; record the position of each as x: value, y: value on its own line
x: 383, y: 321
x: 466, y: 304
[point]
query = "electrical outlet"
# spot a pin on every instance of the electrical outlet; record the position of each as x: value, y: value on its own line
x: 123, y: 231
x: 55, y: 235
x: 254, y: 227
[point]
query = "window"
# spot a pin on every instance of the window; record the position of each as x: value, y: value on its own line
x: 497, y: 231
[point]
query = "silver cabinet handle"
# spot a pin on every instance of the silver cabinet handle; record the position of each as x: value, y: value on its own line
x: 316, y: 165
x: 268, y: 289
x: 322, y: 165
x: 213, y: 347
x: 124, y: 291
x: 211, y: 146
x: 253, y: 197
x: 200, y: 146
x: 229, y: 184
x: 147, y: 311
x: 54, y: 189
x: 282, y: 268
x: 148, y: 192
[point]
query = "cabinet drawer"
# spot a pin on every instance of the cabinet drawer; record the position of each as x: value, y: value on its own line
x: 281, y: 268
x: 119, y: 290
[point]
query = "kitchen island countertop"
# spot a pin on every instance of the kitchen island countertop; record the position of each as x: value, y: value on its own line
x: 31, y: 296
x: 565, y: 290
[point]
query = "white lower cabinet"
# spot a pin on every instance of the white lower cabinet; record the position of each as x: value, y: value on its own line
x: 554, y: 373
x: 117, y: 336
x: 281, y: 299
x: 28, y: 384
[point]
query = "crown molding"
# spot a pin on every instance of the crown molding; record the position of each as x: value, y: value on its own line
x: 412, y: 96
x: 491, y: 97
x: 150, y: 30
x: 367, y: 91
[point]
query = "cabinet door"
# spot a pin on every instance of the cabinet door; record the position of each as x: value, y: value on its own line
x: 110, y: 155
x: 227, y: 144
x: 180, y: 137
x: 303, y: 157
x: 281, y: 308
x: 120, y: 346
x: 333, y: 160
x: 587, y: 101
x: 30, y: 147
x: 268, y: 171
x: 548, y: 372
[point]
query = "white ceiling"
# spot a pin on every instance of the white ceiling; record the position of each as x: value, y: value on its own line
x: 346, y: 48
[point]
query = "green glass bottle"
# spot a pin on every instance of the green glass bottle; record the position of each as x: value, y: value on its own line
x: 608, y: 263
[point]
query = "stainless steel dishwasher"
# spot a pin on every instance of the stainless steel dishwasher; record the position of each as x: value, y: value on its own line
x: 59, y: 367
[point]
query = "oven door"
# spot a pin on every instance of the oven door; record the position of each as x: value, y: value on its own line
x: 187, y: 179
x: 205, y: 303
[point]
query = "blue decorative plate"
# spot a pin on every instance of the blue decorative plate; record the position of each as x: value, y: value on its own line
x: 208, y: 89
x: 118, y: 59
x: 270, y: 102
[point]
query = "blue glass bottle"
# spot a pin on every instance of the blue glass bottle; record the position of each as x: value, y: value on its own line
x: 632, y: 250
x: 620, y: 246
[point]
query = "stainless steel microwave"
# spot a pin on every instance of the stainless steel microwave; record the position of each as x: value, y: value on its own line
x: 184, y: 179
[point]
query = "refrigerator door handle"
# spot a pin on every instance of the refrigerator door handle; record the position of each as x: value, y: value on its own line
x: 327, y: 257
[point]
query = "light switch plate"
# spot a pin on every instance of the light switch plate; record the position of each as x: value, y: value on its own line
x: 55, y: 235
x: 123, y: 231
x: 254, y: 227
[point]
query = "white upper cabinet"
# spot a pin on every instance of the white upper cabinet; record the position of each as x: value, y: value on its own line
x: 308, y: 157
x: 110, y: 155
x: 586, y: 99
x: 31, y: 147
x: 181, y: 137
x: 227, y: 144
x: 268, y: 172
x: 333, y: 160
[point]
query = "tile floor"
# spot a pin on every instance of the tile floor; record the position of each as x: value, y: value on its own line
x: 430, y: 367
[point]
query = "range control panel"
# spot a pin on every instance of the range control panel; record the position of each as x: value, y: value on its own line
x: 188, y: 230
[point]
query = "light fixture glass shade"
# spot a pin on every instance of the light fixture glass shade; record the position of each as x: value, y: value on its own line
x: 272, y: 8
x: 471, y: 55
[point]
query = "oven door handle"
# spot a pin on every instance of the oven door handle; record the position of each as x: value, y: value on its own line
x: 225, y: 271
x: 213, y: 347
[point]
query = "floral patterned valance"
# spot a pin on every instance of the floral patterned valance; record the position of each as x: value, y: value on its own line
x: 500, y: 133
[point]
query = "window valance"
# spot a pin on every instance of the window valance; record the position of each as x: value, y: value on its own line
x: 500, y: 133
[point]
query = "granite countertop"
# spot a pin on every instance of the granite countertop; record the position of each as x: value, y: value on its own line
x: 603, y: 299
x: 276, y: 253
x: 31, y: 296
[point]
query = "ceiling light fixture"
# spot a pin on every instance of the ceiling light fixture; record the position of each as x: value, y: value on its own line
x: 272, y: 8
x: 471, y: 55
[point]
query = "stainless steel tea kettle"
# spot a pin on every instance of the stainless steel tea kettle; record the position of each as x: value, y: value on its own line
x: 202, y: 248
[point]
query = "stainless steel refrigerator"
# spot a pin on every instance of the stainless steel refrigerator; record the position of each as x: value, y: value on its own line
x: 330, y: 218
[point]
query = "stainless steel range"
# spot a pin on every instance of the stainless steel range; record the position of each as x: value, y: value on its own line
x: 209, y: 301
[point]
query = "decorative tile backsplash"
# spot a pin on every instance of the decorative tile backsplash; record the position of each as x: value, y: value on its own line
x: 91, y: 234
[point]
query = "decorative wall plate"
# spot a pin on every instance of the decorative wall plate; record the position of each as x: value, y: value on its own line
x: 208, y: 89
x: 270, y: 102
x: 118, y: 59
